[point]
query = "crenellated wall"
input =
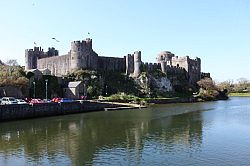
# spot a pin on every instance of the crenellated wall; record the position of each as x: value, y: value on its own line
x: 82, y: 56
x: 111, y: 64
x: 58, y: 65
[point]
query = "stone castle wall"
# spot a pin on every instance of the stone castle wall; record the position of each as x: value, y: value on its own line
x: 58, y: 65
x: 111, y: 64
x: 192, y: 66
x: 82, y: 56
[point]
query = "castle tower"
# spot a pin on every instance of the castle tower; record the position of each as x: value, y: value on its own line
x: 137, y: 63
x: 82, y: 55
x: 129, y: 64
x: 164, y: 58
x: 29, y: 59
x: 90, y: 56
x: 31, y: 56
x: 75, y: 55
x: 88, y: 42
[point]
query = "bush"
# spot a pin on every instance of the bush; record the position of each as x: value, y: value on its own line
x: 123, y: 97
x: 209, y: 91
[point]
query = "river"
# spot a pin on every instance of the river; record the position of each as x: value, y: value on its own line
x: 209, y: 133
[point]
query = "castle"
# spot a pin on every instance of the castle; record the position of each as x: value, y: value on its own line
x: 82, y: 56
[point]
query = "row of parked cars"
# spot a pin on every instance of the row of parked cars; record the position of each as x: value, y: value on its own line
x: 12, y: 100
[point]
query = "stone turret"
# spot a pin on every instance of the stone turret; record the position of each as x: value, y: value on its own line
x: 129, y: 64
x: 82, y: 55
x: 137, y: 63
x: 31, y: 56
x: 165, y: 58
x: 88, y: 44
x: 52, y: 52
x: 75, y: 55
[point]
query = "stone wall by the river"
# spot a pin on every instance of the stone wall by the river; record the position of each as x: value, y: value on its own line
x: 174, y: 100
x: 25, y: 111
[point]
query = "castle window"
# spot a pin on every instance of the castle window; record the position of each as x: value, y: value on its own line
x: 72, y: 58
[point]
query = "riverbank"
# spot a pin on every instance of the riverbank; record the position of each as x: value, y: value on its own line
x: 26, y: 111
x: 239, y: 94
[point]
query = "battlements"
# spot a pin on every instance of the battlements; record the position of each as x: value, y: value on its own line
x: 82, y: 56
x: 151, y: 66
x: 35, y: 49
x: 81, y: 45
x: 175, y: 69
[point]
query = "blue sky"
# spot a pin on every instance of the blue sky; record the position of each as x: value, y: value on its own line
x: 217, y: 31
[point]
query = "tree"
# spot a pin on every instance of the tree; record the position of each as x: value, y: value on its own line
x: 242, y: 85
x: 228, y: 85
x: 12, y: 62
x: 208, y: 89
x: 207, y: 84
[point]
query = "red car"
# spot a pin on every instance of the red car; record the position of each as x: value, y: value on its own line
x: 56, y: 100
x: 36, y: 101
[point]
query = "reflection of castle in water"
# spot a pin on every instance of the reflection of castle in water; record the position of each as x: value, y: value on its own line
x: 89, y: 135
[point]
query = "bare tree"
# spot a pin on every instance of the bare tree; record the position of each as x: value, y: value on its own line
x: 207, y: 84
x: 242, y: 85
x: 229, y: 85
x: 12, y: 62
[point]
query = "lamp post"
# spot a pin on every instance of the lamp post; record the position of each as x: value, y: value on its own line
x: 106, y: 90
x: 46, y: 88
x: 34, y: 93
x: 84, y: 89
x: 85, y: 83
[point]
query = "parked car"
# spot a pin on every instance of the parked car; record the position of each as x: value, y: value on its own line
x: 36, y: 101
x: 56, y: 100
x: 21, y: 101
x: 65, y: 100
x: 47, y: 100
x: 8, y: 100
x: 27, y: 99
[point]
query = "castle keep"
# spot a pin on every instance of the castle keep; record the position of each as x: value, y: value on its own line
x: 82, y: 56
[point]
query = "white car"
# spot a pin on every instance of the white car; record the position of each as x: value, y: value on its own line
x: 21, y: 101
x: 8, y: 100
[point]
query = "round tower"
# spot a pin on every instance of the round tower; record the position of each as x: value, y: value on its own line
x: 30, y: 60
x: 137, y: 63
x: 165, y: 56
x: 75, y: 55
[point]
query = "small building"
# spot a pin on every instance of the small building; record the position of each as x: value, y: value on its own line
x: 37, y: 73
x: 74, y: 90
x: 45, y: 71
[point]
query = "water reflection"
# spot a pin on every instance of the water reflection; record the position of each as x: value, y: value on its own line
x: 182, y: 134
x: 90, y: 138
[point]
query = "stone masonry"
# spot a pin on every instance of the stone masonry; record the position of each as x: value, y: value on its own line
x: 82, y: 56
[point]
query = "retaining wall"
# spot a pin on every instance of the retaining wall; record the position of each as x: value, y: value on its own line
x: 25, y: 111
